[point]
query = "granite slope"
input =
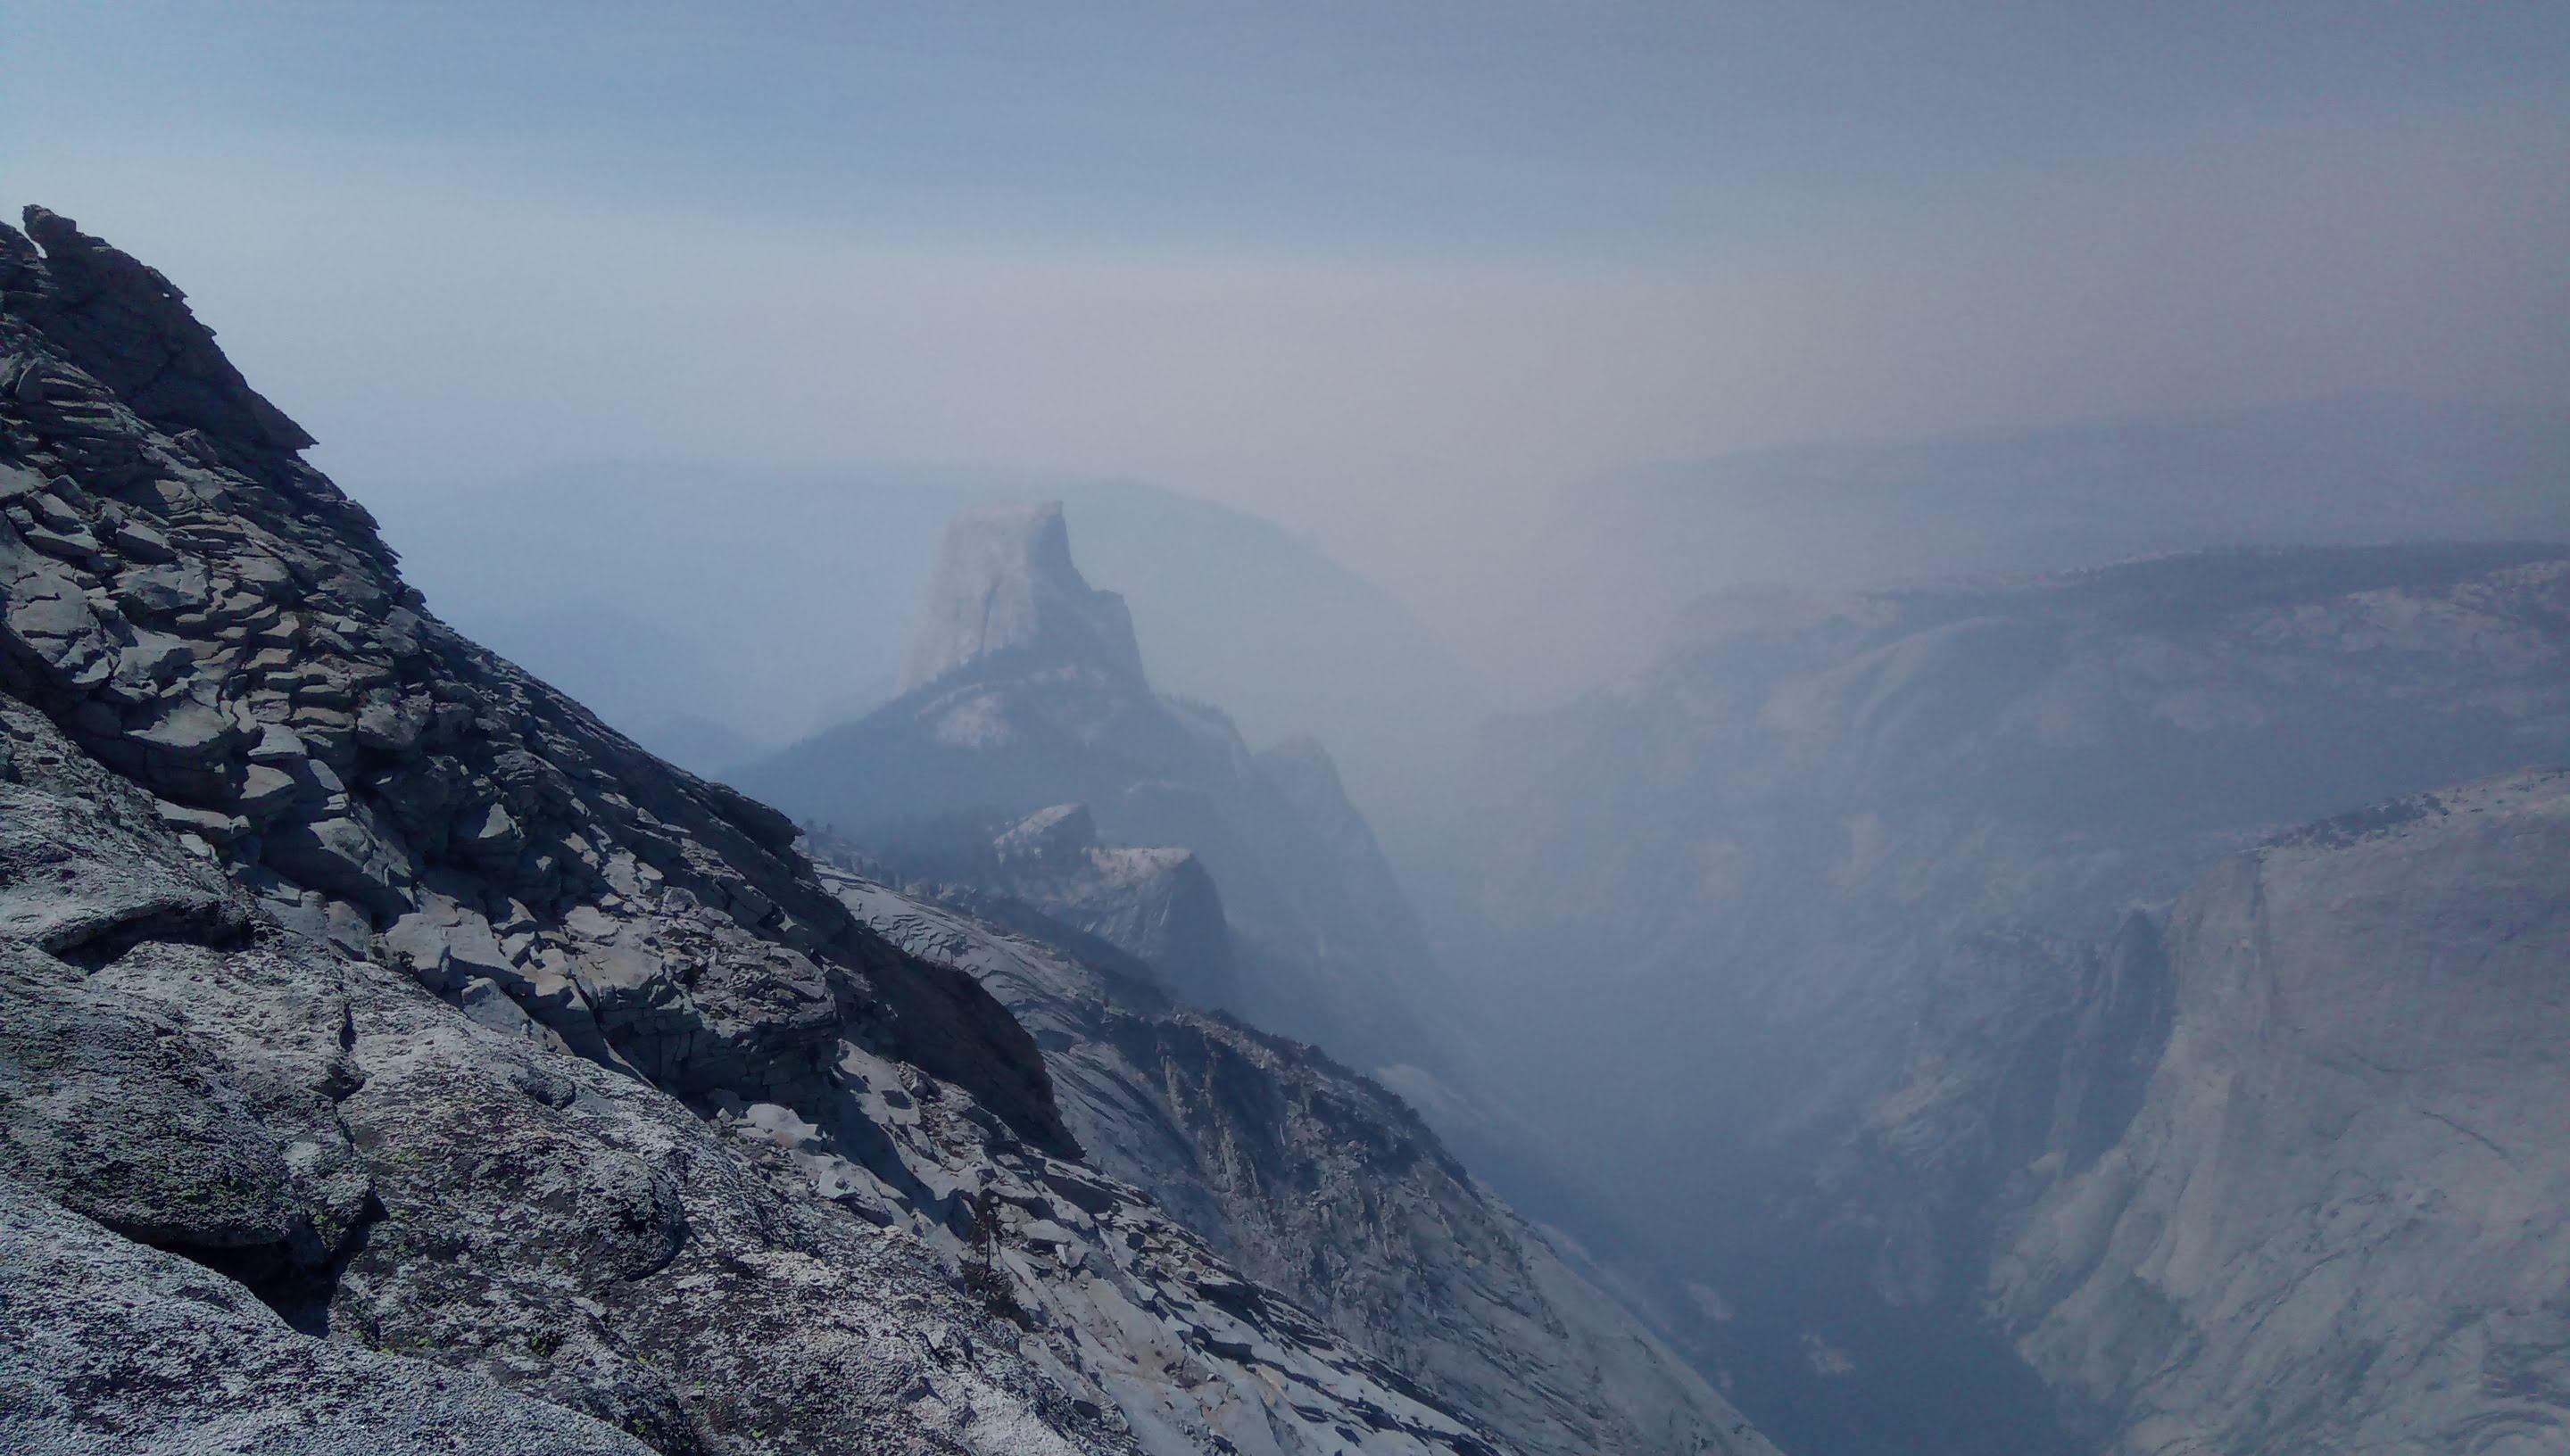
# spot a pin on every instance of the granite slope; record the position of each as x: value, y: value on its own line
x: 1319, y: 1183
x: 542, y: 1094
x: 2331, y: 1222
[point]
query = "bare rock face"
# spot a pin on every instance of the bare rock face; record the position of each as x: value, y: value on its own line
x: 1005, y: 590
x: 207, y: 614
x: 394, y: 1058
x: 2331, y: 1224
x: 1154, y: 910
x: 1318, y: 1183
x: 373, y: 1212
x: 112, y: 1343
x: 1157, y: 903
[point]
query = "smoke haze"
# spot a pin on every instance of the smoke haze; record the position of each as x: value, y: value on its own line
x: 1894, y: 662
x: 1393, y: 280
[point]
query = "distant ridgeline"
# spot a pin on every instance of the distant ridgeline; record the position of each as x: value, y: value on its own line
x: 715, y: 636
x: 1940, y: 973
x: 1023, y: 694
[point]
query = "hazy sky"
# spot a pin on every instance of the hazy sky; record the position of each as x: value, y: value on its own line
x: 1359, y: 268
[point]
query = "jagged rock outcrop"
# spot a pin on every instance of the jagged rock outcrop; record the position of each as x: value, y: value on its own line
x: 1005, y: 591
x: 2331, y: 1222
x: 207, y: 614
x: 1026, y: 692
x: 1832, y: 898
x: 342, y: 1155
x: 541, y: 1094
x: 1155, y: 904
x: 446, y: 1183
x: 1320, y: 1184
x: 1048, y: 874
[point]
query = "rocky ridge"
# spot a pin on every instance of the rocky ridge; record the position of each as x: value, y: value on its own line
x: 1159, y: 905
x: 496, y: 1082
x: 1025, y: 694
x: 1638, y: 545
x: 1320, y: 1184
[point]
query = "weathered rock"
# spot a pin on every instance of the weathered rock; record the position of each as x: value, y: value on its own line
x: 446, y: 945
x: 276, y: 745
x: 112, y: 1345
x: 341, y: 856
x: 323, y: 1136
x: 1159, y: 905
x: 126, y: 325
x: 1325, y: 1185
x: 265, y: 791
x: 141, y: 542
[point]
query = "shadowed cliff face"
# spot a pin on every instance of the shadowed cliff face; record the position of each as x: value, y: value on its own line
x: 1825, y: 900
x: 351, y: 980
x: 1028, y: 696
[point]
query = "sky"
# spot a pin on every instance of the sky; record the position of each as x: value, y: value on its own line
x: 1392, y: 274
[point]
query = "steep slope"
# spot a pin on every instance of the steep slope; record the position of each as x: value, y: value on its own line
x: 1809, y: 901
x: 372, y: 1164
x: 2332, y: 1224
x: 1318, y: 1183
x: 1025, y: 691
x: 401, y: 996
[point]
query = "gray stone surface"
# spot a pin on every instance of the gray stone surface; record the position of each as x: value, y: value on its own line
x: 118, y: 1350
x: 356, y: 1170
x: 2332, y: 1223
x: 1321, y: 1184
x: 1159, y: 905
x: 420, y: 762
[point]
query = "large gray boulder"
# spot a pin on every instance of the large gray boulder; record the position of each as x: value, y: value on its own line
x: 119, y: 1349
